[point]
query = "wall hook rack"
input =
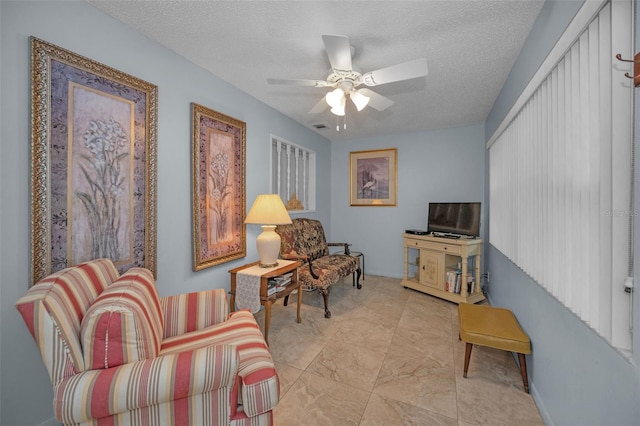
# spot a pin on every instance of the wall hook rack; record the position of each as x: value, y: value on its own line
x: 636, y: 68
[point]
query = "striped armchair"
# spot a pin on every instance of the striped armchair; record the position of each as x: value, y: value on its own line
x: 117, y: 353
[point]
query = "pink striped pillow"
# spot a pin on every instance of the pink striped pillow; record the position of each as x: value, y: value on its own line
x: 125, y: 322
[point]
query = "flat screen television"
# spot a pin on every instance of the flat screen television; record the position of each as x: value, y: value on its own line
x: 454, y: 218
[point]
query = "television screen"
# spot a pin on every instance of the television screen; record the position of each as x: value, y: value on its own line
x: 454, y: 218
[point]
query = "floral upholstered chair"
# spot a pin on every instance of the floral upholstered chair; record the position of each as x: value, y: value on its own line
x: 304, y: 240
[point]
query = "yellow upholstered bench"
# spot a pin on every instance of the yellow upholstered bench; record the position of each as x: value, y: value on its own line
x: 493, y: 327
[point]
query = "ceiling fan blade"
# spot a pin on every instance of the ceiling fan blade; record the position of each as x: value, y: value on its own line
x: 319, y: 107
x: 376, y: 101
x: 339, y: 52
x: 403, y: 71
x: 298, y: 82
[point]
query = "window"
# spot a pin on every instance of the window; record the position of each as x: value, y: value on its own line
x: 561, y: 173
x: 293, y: 174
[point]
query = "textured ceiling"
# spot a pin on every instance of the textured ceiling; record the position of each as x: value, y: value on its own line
x: 470, y: 47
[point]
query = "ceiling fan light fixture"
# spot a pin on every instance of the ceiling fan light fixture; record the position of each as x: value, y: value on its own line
x: 359, y: 100
x: 339, y: 109
x: 335, y: 98
x: 344, y: 77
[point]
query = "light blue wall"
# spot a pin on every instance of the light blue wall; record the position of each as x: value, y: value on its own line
x: 577, y: 378
x: 25, y: 387
x: 435, y: 166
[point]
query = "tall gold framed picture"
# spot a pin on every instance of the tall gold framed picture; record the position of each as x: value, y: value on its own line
x: 373, y: 178
x: 93, y: 163
x: 218, y: 187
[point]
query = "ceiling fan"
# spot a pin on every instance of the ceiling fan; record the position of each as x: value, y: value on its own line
x: 345, y: 79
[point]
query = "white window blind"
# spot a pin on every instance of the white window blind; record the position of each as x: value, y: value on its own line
x: 293, y: 171
x: 561, y: 174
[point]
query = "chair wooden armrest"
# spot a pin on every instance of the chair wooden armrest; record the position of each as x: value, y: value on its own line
x: 345, y: 245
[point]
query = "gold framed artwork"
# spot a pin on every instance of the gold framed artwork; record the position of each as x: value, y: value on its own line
x: 373, y: 177
x: 219, y: 234
x: 93, y: 163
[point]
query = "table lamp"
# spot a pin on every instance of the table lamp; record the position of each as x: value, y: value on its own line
x: 268, y: 210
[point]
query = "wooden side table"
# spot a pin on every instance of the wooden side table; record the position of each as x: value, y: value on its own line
x: 267, y: 300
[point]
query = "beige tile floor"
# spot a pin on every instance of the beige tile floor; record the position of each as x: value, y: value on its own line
x: 388, y: 356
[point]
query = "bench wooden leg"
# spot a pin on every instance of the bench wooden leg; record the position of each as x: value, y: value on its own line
x: 467, y: 357
x: 523, y: 371
x: 327, y: 313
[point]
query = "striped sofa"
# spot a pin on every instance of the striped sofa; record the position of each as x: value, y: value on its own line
x: 117, y: 354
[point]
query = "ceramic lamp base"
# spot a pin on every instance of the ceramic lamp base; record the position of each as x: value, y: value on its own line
x: 268, y: 245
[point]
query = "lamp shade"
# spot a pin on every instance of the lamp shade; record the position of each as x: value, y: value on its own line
x: 335, y: 97
x: 359, y: 100
x: 338, y: 110
x: 268, y: 209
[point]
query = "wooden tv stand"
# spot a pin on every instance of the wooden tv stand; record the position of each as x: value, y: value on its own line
x: 428, y: 259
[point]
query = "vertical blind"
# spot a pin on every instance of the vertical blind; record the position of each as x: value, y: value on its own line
x: 560, y: 179
x: 293, y: 170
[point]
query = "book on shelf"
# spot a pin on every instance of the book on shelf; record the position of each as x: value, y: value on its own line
x: 278, y: 284
x: 453, y: 282
x: 271, y: 287
x: 283, y: 279
x: 471, y: 284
